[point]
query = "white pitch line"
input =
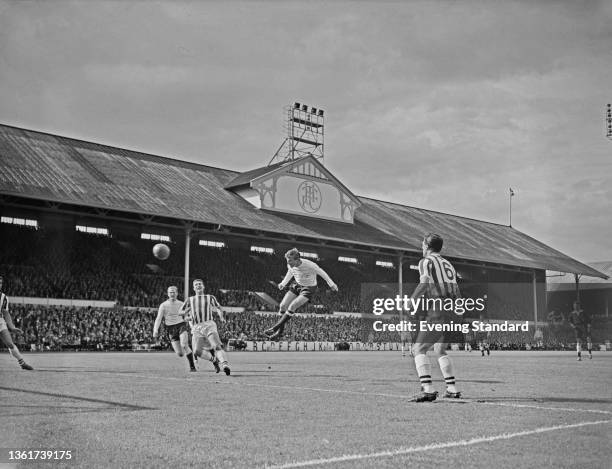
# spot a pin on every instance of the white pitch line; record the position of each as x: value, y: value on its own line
x: 372, y: 394
x: 566, y: 409
x: 450, y: 444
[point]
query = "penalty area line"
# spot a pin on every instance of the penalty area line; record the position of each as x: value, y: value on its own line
x: 434, y: 446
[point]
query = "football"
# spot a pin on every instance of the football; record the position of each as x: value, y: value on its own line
x: 161, y: 251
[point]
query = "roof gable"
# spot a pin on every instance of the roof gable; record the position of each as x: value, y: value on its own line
x: 301, y: 187
x: 54, y: 169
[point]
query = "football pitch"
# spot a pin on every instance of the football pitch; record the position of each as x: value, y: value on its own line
x: 307, y: 409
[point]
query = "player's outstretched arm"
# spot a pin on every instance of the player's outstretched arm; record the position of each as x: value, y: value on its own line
x: 285, y: 281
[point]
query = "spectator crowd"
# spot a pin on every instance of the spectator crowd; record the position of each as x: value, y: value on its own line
x: 41, y: 264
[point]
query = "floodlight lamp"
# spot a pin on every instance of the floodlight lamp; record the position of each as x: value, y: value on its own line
x: 321, y: 112
x: 304, y: 107
x: 296, y: 105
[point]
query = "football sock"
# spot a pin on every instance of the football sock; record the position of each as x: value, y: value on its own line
x: 206, y: 355
x: 190, y: 360
x: 579, y: 350
x: 590, y: 348
x: 280, y: 325
x: 447, y: 371
x: 423, y: 367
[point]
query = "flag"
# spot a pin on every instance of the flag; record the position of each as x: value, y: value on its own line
x: 511, y: 192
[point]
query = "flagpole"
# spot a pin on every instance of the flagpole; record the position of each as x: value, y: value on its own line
x: 510, y: 209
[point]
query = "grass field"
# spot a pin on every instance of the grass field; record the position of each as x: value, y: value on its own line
x: 308, y: 409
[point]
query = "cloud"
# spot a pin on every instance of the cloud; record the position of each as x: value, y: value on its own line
x: 443, y: 105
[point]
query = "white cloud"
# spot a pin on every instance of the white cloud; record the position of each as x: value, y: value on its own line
x: 478, y: 95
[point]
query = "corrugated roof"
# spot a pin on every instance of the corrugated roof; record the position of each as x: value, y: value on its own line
x: 59, y: 169
x: 246, y: 177
x: 567, y: 281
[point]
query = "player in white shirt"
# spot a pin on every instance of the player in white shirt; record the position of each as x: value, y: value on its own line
x: 304, y: 273
x: 6, y: 327
x: 200, y: 308
x: 176, y: 327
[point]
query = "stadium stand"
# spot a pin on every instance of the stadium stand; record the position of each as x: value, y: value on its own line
x: 61, y: 183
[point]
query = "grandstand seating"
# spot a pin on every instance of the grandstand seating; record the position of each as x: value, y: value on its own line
x: 86, y: 328
x: 40, y: 263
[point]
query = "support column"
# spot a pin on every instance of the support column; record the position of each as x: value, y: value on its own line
x: 577, y: 280
x: 400, y: 292
x: 187, y: 252
x: 535, y: 299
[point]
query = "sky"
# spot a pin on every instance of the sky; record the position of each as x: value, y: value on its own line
x: 442, y: 105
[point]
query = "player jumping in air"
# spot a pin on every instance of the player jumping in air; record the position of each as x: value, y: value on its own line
x: 438, y: 279
x: 206, y: 341
x: 176, y: 327
x: 7, y: 326
x: 581, y: 323
x: 304, y: 285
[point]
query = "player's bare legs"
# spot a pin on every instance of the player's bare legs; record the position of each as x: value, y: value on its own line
x: 425, y: 341
x: 202, y: 349
x: 589, y: 342
x: 446, y: 367
x: 181, y: 348
x: 284, y: 306
x: 13, y: 350
x: 215, y: 341
x: 290, y: 304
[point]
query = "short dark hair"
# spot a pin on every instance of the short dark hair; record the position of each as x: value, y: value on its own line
x: 197, y: 280
x: 434, y: 242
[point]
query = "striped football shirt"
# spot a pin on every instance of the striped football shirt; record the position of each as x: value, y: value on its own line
x: 203, y: 307
x: 440, y: 275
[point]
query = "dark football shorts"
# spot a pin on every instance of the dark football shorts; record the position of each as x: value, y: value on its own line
x: 175, y: 331
x: 298, y: 290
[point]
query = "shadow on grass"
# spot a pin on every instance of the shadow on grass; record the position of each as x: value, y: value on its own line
x: 110, y: 404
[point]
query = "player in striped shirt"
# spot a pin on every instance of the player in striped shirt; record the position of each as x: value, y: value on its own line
x: 7, y: 326
x: 438, y: 279
x: 200, y: 308
x: 176, y: 327
x: 304, y: 273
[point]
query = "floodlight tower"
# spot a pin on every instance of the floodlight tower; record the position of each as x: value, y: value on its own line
x: 609, y: 121
x: 305, y: 133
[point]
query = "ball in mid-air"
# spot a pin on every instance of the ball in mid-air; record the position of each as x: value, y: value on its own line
x: 161, y: 251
